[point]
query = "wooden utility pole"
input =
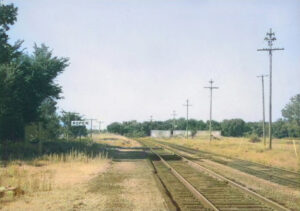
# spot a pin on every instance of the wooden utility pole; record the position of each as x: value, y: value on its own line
x: 151, y: 119
x: 100, y: 122
x: 263, y: 106
x: 174, y: 120
x: 270, y: 38
x: 187, y: 118
x: 211, y: 87
x: 91, y: 126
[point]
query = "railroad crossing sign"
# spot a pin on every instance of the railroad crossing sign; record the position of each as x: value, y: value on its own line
x: 79, y: 123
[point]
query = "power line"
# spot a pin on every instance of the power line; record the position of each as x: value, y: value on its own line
x: 263, y: 106
x: 211, y: 87
x: 270, y: 38
x: 187, y: 118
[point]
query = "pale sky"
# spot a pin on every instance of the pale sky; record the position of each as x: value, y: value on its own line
x: 130, y: 59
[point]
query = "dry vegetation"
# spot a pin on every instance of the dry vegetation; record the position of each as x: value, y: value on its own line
x: 115, y: 140
x: 49, y: 174
x: 282, y: 155
x: 76, y: 181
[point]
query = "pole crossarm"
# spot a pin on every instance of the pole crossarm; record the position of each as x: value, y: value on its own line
x: 270, y: 49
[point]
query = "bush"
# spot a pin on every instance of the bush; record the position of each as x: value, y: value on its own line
x: 254, y: 138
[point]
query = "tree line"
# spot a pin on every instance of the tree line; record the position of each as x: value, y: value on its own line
x: 287, y: 126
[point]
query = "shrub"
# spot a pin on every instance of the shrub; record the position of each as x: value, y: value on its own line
x: 254, y: 138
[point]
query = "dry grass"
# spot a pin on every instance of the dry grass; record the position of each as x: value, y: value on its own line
x: 115, y: 140
x: 282, y: 155
x: 75, y: 181
x: 48, y: 173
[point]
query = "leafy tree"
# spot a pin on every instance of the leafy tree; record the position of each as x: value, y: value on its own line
x: 291, y: 111
x: 25, y: 80
x: 25, y: 85
x: 253, y: 128
x: 280, y: 129
x: 8, y: 52
x: 233, y: 127
x: 49, y: 119
x: 115, y: 127
x: 214, y: 124
x: 69, y: 130
x: 291, y: 114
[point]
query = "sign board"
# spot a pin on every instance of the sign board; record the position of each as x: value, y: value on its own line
x: 79, y: 123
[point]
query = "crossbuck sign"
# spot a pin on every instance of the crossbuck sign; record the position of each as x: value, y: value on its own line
x: 79, y: 123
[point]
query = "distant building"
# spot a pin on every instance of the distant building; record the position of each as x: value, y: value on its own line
x: 216, y: 133
x: 182, y: 133
x: 160, y: 133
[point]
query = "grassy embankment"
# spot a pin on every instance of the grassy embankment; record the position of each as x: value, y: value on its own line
x: 282, y: 155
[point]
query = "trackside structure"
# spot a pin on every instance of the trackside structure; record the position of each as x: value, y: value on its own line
x: 182, y: 133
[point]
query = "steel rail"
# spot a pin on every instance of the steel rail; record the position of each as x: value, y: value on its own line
x: 188, y: 185
x: 197, y: 166
x: 274, y: 175
x: 229, y: 157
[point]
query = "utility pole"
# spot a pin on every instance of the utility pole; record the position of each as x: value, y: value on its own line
x: 91, y: 126
x: 174, y: 120
x: 100, y: 122
x: 211, y: 87
x: 151, y: 119
x: 270, y: 38
x: 263, y: 106
x: 187, y: 118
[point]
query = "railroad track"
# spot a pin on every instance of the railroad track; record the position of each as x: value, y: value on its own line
x: 205, y: 190
x: 272, y: 174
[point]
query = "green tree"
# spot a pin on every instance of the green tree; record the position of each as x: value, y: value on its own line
x: 291, y: 114
x: 50, y: 122
x: 280, y: 129
x: 25, y: 80
x: 233, y: 127
x: 72, y: 131
x: 8, y: 52
x: 24, y: 86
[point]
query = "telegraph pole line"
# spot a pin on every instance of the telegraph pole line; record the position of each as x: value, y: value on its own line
x: 270, y: 38
x: 91, y: 126
x: 263, y: 106
x: 174, y: 119
x: 151, y: 119
x: 211, y: 87
x: 100, y: 122
x: 187, y: 118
